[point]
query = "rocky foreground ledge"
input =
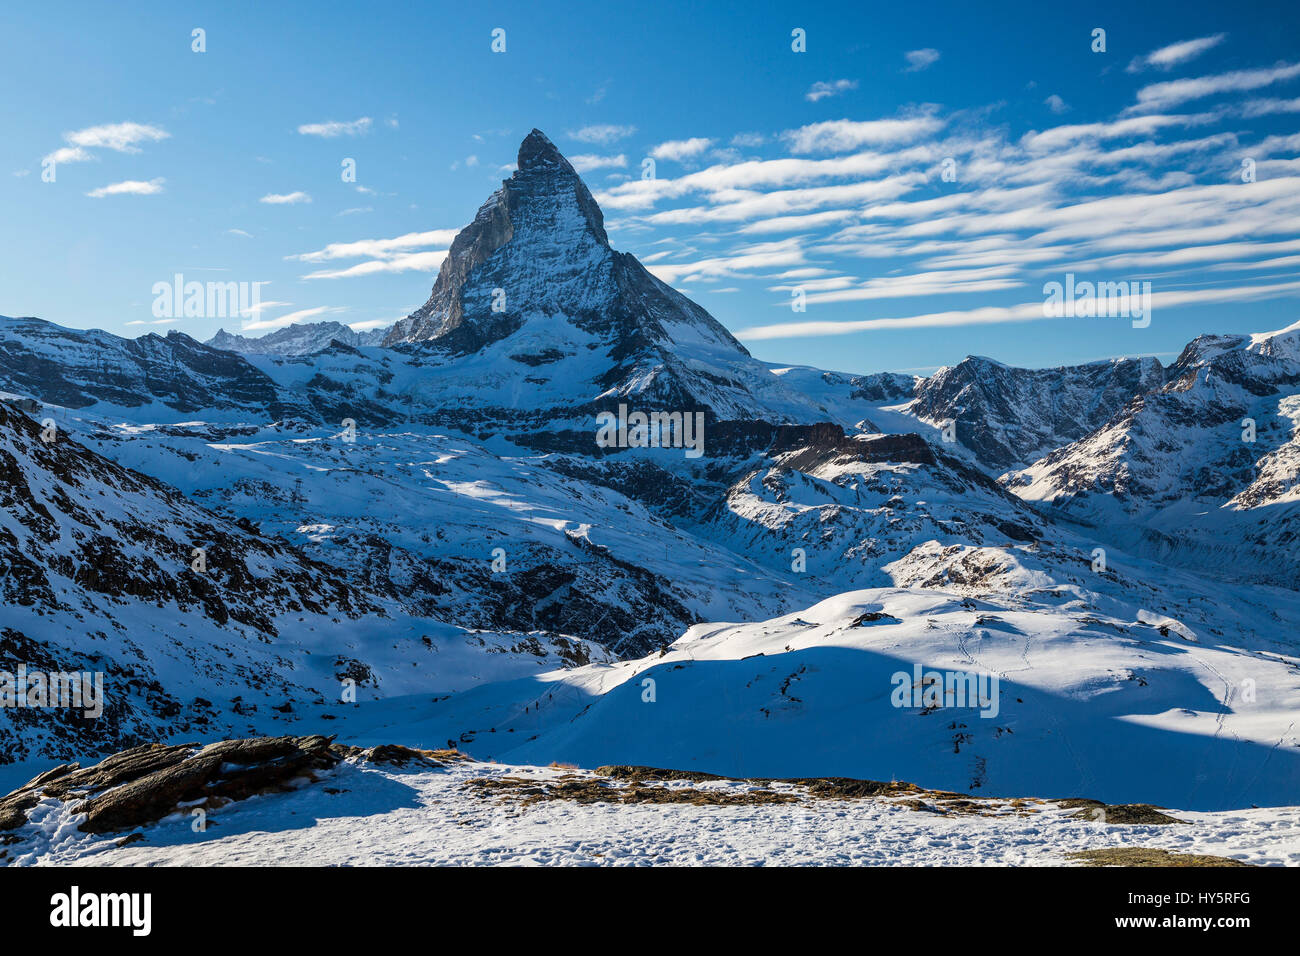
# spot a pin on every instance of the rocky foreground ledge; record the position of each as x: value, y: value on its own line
x: 130, y: 792
x: 146, y: 783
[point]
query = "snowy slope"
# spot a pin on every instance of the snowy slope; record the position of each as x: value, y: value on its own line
x: 97, y: 574
x: 418, y: 514
x: 1099, y: 697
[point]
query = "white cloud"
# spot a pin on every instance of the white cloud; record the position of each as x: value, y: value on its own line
x: 259, y: 307
x: 838, y: 136
x: 120, y: 137
x: 405, y: 253
x: 800, y: 223
x: 680, y: 149
x: 334, y: 128
x: 1056, y: 104
x: 1172, y: 55
x: 369, y: 324
x: 239, y: 232
x: 722, y: 181
x: 603, y: 134
x: 1159, y: 96
x: 1059, y: 137
x: 787, y: 252
x: 941, y: 282
x: 786, y: 202
x: 748, y: 140
x: 588, y: 161
x: 378, y: 248
x: 132, y: 187
x: 821, y: 89
x: 1027, y: 311
x: 1255, y: 108
x: 68, y: 154
x: 407, y: 262
x: 285, y: 199
x: 920, y: 59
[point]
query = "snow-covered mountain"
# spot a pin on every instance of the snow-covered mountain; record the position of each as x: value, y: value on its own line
x: 1009, y: 417
x: 432, y: 518
x: 1201, y: 472
x: 153, y: 377
x: 534, y: 317
x: 303, y: 338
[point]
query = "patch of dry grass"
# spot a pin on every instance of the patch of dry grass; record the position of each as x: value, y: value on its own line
x: 1147, y: 856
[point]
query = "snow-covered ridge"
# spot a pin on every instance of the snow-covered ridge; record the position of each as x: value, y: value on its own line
x: 1203, y: 471
x: 1011, y: 416
x: 295, y: 340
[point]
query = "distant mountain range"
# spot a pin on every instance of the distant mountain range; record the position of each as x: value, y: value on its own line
x: 298, y: 339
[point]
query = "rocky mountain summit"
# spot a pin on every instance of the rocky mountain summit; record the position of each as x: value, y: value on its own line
x: 1012, y: 416
x: 534, y: 282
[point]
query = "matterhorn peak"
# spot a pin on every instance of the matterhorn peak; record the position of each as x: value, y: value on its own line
x: 537, y: 250
x: 537, y: 151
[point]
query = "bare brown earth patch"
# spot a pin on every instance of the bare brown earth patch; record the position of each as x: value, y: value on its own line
x: 639, y: 784
x: 1145, y: 814
x: 1148, y: 856
x: 600, y: 789
x: 627, y: 784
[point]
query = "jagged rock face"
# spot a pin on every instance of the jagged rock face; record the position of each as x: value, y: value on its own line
x: 97, y: 575
x: 882, y: 387
x: 1179, y: 475
x: 306, y: 338
x: 855, y: 504
x: 1011, y: 416
x: 534, y: 319
x: 77, y: 369
x: 541, y: 240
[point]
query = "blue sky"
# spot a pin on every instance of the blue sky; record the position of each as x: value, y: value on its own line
x: 819, y: 170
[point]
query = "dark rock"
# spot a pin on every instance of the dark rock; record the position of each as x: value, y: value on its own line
x: 146, y: 783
